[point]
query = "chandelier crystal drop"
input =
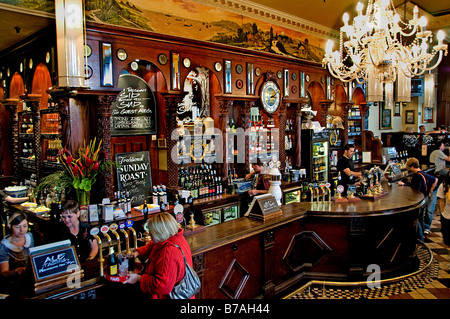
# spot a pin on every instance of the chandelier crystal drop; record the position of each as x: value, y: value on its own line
x: 378, y: 46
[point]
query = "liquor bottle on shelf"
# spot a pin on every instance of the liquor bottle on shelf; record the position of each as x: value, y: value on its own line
x: 164, y: 191
x: 155, y: 196
x: 128, y: 202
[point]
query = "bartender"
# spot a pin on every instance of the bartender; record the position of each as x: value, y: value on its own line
x: 263, y: 182
x: 346, y: 169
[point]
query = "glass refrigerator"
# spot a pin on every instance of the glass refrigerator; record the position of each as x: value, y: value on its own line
x: 315, y: 149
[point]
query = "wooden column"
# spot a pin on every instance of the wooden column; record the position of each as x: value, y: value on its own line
x: 269, y: 286
x: 103, y: 112
x: 282, y: 133
x: 172, y: 100
x: 298, y: 136
x: 224, y: 106
x: 11, y: 106
x: 246, y: 114
x: 324, y: 106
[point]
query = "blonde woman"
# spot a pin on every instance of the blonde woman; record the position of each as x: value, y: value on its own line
x: 164, y: 261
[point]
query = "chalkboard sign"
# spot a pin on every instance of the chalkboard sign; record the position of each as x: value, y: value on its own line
x: 54, y: 263
x: 134, y: 175
x: 134, y: 111
x: 263, y: 207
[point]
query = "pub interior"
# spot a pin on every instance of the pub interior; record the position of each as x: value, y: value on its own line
x: 134, y: 108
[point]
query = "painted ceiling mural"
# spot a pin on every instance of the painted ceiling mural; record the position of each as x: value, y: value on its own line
x: 188, y: 19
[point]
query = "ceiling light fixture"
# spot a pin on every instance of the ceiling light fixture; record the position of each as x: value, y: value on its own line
x: 374, y: 48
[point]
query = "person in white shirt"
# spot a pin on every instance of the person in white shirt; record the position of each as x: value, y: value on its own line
x: 438, y: 158
x: 443, y: 195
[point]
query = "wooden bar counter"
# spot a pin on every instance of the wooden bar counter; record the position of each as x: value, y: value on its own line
x: 248, y: 258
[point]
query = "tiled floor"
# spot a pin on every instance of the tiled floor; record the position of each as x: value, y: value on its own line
x: 440, y: 287
x: 432, y: 283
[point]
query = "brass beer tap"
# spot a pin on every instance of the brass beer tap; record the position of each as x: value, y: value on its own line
x: 125, y: 234
x: 94, y: 233
x: 113, y: 229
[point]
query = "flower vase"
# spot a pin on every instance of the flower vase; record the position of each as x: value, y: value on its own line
x: 83, y: 201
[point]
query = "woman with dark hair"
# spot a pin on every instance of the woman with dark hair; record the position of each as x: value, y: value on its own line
x: 14, y: 253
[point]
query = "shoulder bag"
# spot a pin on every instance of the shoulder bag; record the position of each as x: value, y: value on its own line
x: 189, y: 285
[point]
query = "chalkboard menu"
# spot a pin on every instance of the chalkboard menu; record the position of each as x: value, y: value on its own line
x: 134, y: 175
x: 134, y: 111
x: 54, y: 263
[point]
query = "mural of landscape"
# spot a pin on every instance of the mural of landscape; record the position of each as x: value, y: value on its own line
x: 188, y: 19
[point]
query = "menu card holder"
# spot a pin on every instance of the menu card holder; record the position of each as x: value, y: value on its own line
x: 53, y: 265
x: 263, y: 207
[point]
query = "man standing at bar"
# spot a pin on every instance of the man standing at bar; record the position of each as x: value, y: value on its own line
x: 346, y: 169
x: 438, y: 158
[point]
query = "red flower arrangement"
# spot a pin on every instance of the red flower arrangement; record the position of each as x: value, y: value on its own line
x: 84, y: 168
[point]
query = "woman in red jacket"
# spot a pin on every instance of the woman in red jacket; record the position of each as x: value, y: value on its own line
x: 164, y: 262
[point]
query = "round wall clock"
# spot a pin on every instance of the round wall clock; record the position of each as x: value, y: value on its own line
x: 270, y: 96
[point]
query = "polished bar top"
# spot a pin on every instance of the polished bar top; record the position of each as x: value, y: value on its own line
x: 397, y: 200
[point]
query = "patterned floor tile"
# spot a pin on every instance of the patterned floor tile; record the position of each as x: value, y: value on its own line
x: 433, y: 283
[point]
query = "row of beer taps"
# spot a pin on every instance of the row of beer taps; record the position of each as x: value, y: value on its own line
x: 126, y: 229
x: 320, y: 191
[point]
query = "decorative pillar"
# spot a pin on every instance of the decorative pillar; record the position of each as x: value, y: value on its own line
x: 269, y: 286
x: 324, y: 106
x: 246, y: 114
x: 11, y: 106
x: 103, y: 111
x: 172, y: 100
x: 224, y: 106
x: 298, y: 136
x: 282, y: 133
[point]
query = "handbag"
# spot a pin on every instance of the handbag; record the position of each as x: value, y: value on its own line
x: 189, y: 285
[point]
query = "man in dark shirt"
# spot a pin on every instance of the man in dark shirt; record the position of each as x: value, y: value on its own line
x: 426, y: 184
x: 346, y: 169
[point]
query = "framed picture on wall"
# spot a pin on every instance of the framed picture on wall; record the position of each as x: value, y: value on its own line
x: 385, y: 117
x: 409, y: 117
x: 427, y: 114
x: 397, y: 109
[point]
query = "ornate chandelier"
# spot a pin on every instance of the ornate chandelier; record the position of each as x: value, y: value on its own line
x: 374, y: 46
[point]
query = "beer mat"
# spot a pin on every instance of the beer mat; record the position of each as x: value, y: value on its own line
x: 375, y: 197
x: 340, y: 200
x: 189, y: 231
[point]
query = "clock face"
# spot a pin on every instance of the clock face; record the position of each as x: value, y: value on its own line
x: 270, y: 96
